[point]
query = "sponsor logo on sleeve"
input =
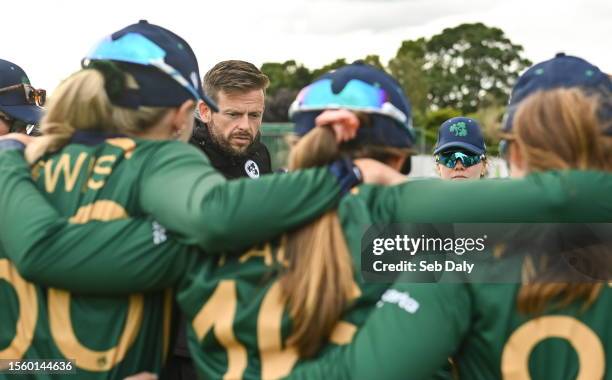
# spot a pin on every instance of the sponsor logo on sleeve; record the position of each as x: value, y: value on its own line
x: 159, y: 234
x: 401, y: 299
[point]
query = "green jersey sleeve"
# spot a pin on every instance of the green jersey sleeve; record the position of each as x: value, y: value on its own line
x: 81, y: 258
x: 185, y: 194
x: 411, y: 335
x: 557, y: 196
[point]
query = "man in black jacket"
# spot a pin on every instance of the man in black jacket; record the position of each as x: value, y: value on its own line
x: 231, y: 138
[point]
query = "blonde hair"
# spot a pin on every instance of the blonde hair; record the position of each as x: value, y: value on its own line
x: 560, y: 129
x: 81, y: 103
x: 318, y: 282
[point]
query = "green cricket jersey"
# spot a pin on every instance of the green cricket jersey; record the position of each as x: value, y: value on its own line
x: 239, y: 323
x: 477, y: 324
x: 116, y: 179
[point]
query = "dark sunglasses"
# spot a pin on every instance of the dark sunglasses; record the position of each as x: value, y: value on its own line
x: 32, y: 95
x: 449, y: 159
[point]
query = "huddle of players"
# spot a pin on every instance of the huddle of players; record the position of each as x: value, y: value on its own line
x: 135, y: 219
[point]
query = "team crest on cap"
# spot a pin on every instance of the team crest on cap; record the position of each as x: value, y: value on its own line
x: 459, y: 129
x: 251, y: 169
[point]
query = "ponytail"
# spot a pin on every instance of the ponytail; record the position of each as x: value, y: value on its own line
x: 318, y: 282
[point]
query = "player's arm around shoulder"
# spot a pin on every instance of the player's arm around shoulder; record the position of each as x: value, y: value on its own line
x: 174, y: 181
x: 396, y: 341
x: 26, y: 217
x: 35, y: 236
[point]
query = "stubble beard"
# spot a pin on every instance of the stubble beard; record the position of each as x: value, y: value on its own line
x: 226, y: 146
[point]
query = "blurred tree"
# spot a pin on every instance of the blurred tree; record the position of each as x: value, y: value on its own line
x: 427, y: 125
x: 434, y: 119
x: 462, y: 70
x: 277, y: 105
x: 490, y: 121
x: 374, y: 60
x: 288, y: 75
x: 407, y: 68
x: 331, y: 66
x: 471, y: 66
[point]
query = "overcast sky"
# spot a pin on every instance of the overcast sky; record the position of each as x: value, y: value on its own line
x: 48, y: 38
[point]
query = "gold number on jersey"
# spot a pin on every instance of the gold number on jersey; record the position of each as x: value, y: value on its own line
x: 515, y: 357
x: 168, y: 304
x: 68, y: 343
x: 275, y: 362
x: 218, y: 314
x: 344, y: 332
x: 28, y: 312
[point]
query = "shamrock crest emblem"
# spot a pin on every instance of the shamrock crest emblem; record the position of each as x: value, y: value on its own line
x: 251, y: 168
x: 459, y: 129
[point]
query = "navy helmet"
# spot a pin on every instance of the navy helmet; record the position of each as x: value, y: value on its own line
x: 162, y: 63
x: 363, y: 88
x: 562, y: 71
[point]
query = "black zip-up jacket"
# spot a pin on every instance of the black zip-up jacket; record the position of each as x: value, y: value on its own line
x: 253, y: 164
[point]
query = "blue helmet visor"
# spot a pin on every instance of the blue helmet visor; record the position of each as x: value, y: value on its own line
x: 356, y: 95
x: 137, y: 49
